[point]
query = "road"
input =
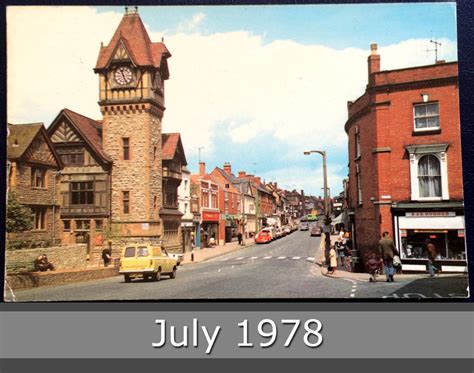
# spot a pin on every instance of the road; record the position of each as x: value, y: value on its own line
x: 282, y: 269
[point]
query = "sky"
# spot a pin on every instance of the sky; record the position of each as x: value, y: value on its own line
x: 254, y: 86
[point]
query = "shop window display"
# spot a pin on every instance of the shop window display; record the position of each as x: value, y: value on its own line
x: 449, y: 244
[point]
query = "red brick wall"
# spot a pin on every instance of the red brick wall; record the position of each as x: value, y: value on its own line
x: 385, y: 120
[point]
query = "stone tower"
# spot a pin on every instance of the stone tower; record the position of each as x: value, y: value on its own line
x: 132, y: 71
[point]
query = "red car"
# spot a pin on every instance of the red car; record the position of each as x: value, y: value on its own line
x: 263, y: 237
x: 315, y: 230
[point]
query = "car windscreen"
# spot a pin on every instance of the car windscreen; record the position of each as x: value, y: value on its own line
x: 142, y: 251
x: 129, y: 252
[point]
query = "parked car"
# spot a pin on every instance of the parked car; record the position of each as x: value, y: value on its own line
x: 280, y: 233
x: 263, y: 237
x: 304, y: 227
x: 146, y: 261
x: 271, y: 231
x: 179, y: 257
x: 316, y: 230
x: 287, y: 229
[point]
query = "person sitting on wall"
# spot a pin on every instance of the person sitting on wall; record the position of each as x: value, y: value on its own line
x: 42, y: 264
x: 106, y: 256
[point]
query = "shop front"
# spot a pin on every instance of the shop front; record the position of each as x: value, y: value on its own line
x: 231, y: 227
x: 209, y: 228
x: 443, y: 228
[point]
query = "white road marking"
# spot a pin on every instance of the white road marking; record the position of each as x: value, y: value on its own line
x: 268, y: 257
x: 296, y: 257
x: 225, y: 259
x: 254, y: 257
x: 352, y: 295
x: 353, y: 290
x: 281, y: 257
x: 310, y: 258
x: 240, y: 258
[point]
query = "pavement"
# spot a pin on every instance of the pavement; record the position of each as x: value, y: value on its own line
x: 201, y: 255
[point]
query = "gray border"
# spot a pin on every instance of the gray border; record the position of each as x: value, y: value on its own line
x: 237, y: 365
x: 376, y: 305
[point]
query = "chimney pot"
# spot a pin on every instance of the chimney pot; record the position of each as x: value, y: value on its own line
x: 242, y: 174
x: 373, y: 61
x: 227, y: 168
x: 373, y: 49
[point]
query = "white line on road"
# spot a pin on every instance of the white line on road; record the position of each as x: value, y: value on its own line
x: 310, y: 258
x: 296, y: 257
x: 353, y: 290
x: 254, y: 257
x: 240, y: 258
x: 281, y: 257
x: 268, y: 257
x: 353, y: 295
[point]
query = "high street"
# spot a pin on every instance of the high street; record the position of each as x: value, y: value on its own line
x: 282, y: 269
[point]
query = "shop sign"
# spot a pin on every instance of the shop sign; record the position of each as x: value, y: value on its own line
x: 210, y: 216
x: 403, y: 232
x: 461, y: 233
x: 425, y: 214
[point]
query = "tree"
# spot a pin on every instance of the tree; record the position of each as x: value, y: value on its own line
x: 19, y: 217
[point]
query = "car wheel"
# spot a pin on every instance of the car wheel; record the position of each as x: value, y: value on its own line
x: 157, y: 275
x: 173, y: 274
x: 126, y: 278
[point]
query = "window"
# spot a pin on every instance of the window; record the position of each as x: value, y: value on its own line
x: 82, y: 193
x: 170, y: 230
x: 185, y: 208
x: 129, y: 252
x: 66, y: 225
x: 214, y: 200
x: 429, y: 171
x: 227, y: 186
x: 359, y: 185
x: 83, y: 225
x: 171, y: 195
x: 357, y: 142
x: 205, y: 198
x: 126, y: 202
x: 39, y: 218
x: 426, y: 116
x: 429, y: 176
x: 142, y: 251
x: 99, y: 225
x: 38, y: 177
x: 185, y: 185
x: 71, y: 155
x: 126, y: 148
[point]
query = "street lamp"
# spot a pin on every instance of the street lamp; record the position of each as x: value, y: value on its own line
x: 327, y: 219
x: 325, y: 176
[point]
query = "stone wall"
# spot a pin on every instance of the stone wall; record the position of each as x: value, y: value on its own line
x: 62, y: 257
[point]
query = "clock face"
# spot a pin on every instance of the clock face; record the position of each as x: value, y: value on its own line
x: 123, y: 75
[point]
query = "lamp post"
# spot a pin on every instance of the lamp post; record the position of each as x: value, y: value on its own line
x: 327, y: 219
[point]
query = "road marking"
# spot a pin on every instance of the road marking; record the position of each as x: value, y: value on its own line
x: 353, y: 295
x: 225, y: 259
x: 281, y: 257
x: 296, y: 257
x: 353, y: 290
x: 268, y: 257
x: 310, y: 258
x: 240, y: 258
x: 254, y: 257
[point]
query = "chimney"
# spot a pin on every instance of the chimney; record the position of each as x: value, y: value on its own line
x: 227, y: 168
x: 202, y: 168
x: 373, y: 60
x: 242, y: 174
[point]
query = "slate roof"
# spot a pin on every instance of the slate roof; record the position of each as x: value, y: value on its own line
x: 134, y: 36
x: 20, y: 138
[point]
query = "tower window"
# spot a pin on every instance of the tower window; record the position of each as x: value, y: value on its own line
x: 126, y: 202
x: 126, y: 148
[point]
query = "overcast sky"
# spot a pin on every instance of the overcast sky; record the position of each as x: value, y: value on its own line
x: 254, y: 85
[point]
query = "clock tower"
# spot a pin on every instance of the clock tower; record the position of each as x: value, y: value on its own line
x: 132, y: 71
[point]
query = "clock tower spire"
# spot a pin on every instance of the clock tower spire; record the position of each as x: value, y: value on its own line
x: 132, y: 70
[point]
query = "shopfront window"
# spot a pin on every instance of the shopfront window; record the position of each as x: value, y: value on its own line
x: 449, y: 244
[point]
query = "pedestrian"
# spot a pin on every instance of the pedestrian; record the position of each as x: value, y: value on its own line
x: 387, y: 251
x: 106, y: 256
x: 239, y: 237
x: 42, y: 264
x: 431, y: 252
x: 332, y: 260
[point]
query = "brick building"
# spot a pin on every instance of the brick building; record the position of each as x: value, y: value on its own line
x: 207, y: 188
x: 33, y: 179
x: 230, y: 203
x: 405, y: 174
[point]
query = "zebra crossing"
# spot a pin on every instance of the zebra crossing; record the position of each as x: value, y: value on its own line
x: 268, y: 257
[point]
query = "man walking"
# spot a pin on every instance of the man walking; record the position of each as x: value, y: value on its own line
x: 387, y: 251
